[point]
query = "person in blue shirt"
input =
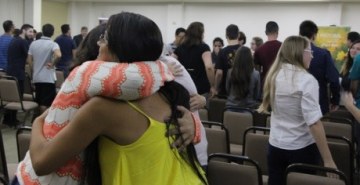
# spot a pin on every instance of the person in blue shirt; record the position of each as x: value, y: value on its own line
x: 67, y: 48
x: 322, y: 67
x: 5, y: 40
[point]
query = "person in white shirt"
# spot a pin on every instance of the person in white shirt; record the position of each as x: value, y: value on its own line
x: 297, y: 134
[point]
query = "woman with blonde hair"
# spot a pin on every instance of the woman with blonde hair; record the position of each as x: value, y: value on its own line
x: 292, y: 94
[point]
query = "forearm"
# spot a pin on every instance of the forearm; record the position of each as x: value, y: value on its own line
x: 354, y: 87
x: 210, y: 73
x: 37, y: 153
x: 354, y: 111
x: 218, y: 78
x: 317, y: 130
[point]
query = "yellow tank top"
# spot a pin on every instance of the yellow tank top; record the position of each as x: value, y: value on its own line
x: 149, y: 160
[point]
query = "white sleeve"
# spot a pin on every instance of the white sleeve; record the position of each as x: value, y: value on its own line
x: 310, y: 101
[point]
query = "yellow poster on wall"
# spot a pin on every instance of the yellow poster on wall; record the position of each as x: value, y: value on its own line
x: 334, y: 39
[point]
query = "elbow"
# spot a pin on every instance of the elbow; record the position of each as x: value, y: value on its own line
x: 40, y: 168
x: 39, y: 164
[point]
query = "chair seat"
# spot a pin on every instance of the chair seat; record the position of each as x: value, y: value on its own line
x: 28, y: 105
x: 28, y: 97
x: 236, y: 149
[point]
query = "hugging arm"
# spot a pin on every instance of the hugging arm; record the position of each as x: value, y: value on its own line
x: 49, y: 155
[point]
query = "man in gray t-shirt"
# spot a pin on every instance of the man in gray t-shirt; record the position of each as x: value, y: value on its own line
x: 42, y: 55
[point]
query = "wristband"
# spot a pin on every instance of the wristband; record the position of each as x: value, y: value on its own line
x: 197, y: 122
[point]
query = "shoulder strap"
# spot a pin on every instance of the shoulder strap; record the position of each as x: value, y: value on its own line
x: 138, y: 109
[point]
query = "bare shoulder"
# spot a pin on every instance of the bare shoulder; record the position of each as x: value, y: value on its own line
x: 102, y: 109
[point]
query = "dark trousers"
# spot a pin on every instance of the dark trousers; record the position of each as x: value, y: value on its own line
x: 15, y: 181
x: 280, y: 159
x: 357, y: 140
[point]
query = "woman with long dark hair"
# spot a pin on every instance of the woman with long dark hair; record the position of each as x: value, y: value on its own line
x: 243, y: 82
x: 345, y: 69
x: 195, y: 56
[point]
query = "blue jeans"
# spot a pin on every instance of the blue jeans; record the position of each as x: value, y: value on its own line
x: 280, y: 159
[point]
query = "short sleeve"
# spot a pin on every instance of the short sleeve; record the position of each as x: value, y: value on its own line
x: 310, y: 106
x: 204, y: 48
x: 355, y: 69
x: 30, y: 51
x: 55, y: 46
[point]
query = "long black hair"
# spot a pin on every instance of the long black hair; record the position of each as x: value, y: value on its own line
x: 134, y: 37
x: 177, y: 95
x: 241, y: 72
x: 194, y: 34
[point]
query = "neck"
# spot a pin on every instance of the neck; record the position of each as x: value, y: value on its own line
x: 7, y: 33
x: 233, y: 42
x: 272, y: 37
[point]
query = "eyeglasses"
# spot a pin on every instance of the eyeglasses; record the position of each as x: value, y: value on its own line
x: 309, y: 50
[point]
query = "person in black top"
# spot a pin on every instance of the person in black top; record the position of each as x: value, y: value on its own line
x: 195, y: 56
x: 17, y: 54
x: 67, y: 47
x: 226, y: 57
x: 218, y: 44
x: 78, y: 38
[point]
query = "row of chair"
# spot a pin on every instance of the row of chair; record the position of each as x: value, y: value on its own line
x: 223, y: 169
x: 255, y: 144
x: 227, y: 169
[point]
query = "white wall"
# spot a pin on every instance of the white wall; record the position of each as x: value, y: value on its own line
x: 11, y: 10
x: 250, y: 17
x: 351, y: 15
x: 87, y: 14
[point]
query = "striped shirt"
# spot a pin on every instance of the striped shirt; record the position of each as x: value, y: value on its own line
x: 4, y: 46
